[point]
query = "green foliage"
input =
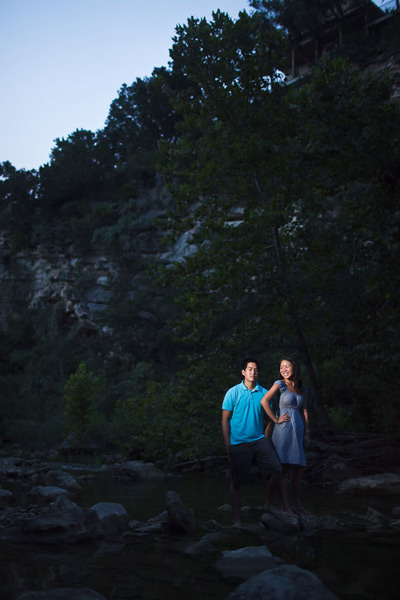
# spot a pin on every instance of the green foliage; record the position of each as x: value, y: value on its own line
x: 81, y: 391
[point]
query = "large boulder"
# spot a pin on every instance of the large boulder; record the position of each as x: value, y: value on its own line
x: 180, y: 518
x: 286, y: 582
x: 382, y: 483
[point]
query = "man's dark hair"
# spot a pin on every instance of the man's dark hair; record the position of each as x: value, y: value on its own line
x: 249, y: 360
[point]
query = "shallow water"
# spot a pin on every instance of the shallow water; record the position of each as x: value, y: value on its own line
x: 355, y: 566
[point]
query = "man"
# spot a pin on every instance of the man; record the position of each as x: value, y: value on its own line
x: 243, y: 431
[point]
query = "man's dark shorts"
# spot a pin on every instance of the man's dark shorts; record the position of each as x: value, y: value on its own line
x: 261, y: 452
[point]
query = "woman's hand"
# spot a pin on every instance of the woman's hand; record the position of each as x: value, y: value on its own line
x: 283, y: 418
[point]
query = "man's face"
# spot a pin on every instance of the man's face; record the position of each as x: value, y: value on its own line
x: 250, y: 373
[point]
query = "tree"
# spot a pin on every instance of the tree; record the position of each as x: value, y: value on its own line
x: 273, y: 170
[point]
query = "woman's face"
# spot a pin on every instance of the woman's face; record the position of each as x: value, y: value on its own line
x: 286, y: 369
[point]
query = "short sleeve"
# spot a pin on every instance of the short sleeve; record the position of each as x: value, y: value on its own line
x: 228, y: 401
x: 280, y: 385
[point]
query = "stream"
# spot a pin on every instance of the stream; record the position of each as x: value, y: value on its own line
x: 354, y: 565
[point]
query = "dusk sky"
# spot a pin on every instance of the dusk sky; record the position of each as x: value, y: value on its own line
x: 63, y: 62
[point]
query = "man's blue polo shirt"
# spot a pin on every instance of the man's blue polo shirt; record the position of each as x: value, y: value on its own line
x: 247, y: 413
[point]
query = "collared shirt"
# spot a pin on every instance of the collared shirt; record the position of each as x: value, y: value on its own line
x: 247, y: 420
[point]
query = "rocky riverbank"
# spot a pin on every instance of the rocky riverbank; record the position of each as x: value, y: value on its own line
x: 242, y: 563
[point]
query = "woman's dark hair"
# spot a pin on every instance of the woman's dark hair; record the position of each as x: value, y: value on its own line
x: 296, y: 377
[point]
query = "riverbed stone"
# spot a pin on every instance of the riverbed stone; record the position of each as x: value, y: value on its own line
x: 245, y: 562
x: 136, y: 470
x: 6, y: 497
x: 60, y: 478
x: 107, y: 519
x: 381, y: 483
x: 44, y: 494
x: 285, y: 582
x: 180, y: 517
x: 340, y: 471
x: 201, y: 549
x: 377, y: 521
x: 286, y: 524
x: 62, y: 594
x: 12, y: 467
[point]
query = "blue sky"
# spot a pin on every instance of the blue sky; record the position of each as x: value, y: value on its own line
x: 62, y: 63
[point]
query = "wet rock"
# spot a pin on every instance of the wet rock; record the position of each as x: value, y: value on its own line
x: 136, y: 470
x: 245, y: 562
x: 107, y: 519
x: 286, y: 582
x: 201, y: 549
x: 382, y: 483
x: 180, y: 518
x: 287, y: 524
x: 42, y: 495
x: 62, y: 594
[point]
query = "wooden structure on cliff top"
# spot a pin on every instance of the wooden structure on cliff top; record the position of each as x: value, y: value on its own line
x: 356, y: 18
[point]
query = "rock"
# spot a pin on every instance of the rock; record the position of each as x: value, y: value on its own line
x: 382, y: 483
x: 376, y: 520
x: 107, y: 519
x: 245, y: 562
x: 53, y: 526
x: 396, y: 511
x: 42, y: 495
x: 6, y: 497
x: 62, y: 594
x: 287, y: 524
x: 180, y: 518
x: 286, y: 582
x: 309, y: 522
x: 211, y: 525
x: 225, y: 508
x: 60, y: 478
x: 137, y: 470
x: 12, y: 467
x: 339, y: 472
x: 201, y: 549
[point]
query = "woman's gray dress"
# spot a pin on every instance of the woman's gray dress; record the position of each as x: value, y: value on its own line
x: 288, y: 437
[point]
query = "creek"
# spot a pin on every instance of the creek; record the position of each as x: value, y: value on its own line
x: 355, y: 565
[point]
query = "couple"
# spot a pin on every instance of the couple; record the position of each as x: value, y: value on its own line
x: 243, y: 411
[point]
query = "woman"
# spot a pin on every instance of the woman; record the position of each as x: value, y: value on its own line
x: 290, y: 434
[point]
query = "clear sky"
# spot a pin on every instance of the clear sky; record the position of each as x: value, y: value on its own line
x: 62, y: 63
